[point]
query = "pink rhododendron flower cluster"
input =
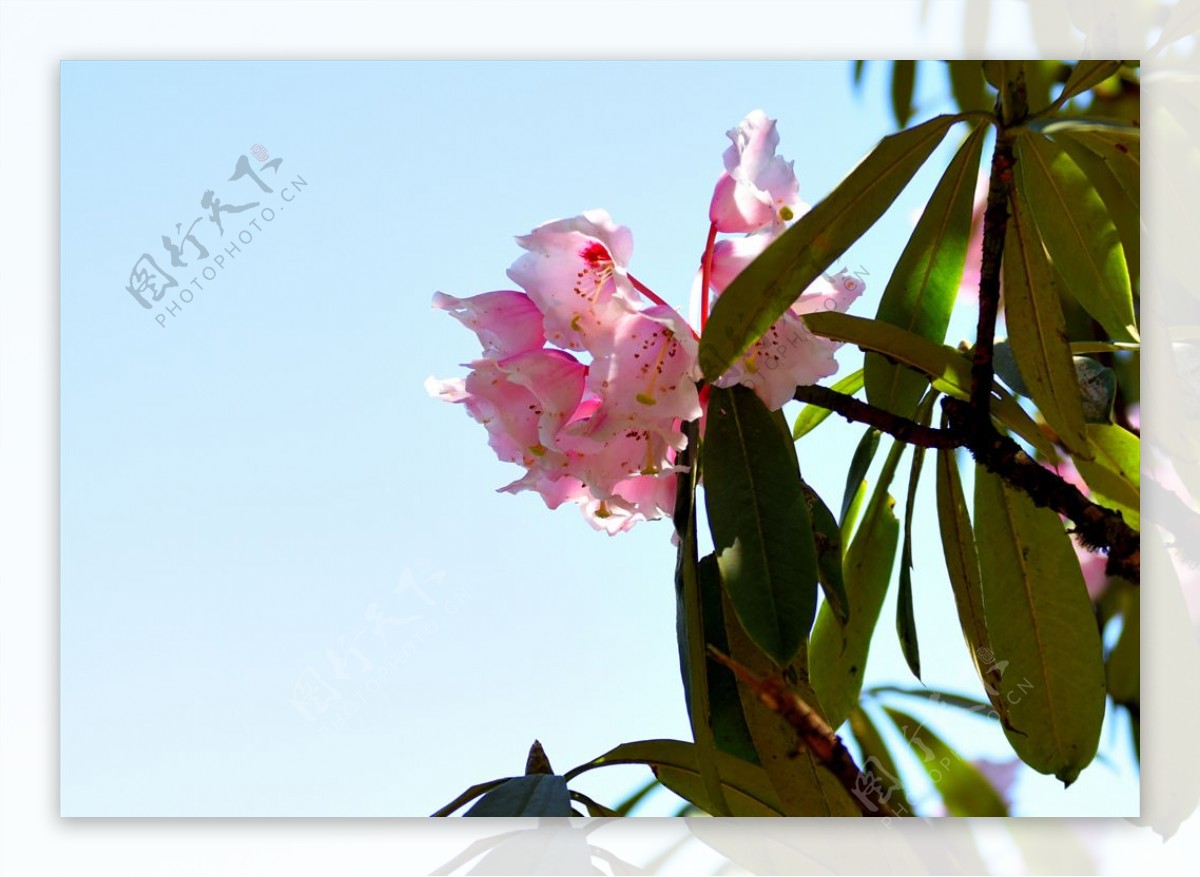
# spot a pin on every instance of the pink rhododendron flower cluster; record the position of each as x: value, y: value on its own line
x: 585, y: 376
x: 758, y: 194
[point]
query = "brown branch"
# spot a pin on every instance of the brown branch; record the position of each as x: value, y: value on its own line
x: 856, y: 411
x: 815, y: 734
x: 995, y: 223
x: 1098, y: 527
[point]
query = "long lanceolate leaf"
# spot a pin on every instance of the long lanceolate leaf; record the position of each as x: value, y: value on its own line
x: 692, y: 638
x: 1079, y: 234
x: 922, y: 289
x: 539, y: 794
x: 1037, y: 329
x: 962, y: 566
x: 745, y: 786
x: 837, y: 653
x: 758, y: 515
x: 962, y: 787
x: 1042, y: 630
x: 949, y: 370
x: 773, y: 281
x: 804, y: 786
x: 906, y: 622
x: 1085, y: 75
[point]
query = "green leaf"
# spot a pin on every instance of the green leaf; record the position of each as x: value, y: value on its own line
x: 761, y: 293
x: 1078, y: 233
x: 904, y: 82
x: 962, y: 567
x: 968, y: 85
x: 539, y: 794
x: 690, y: 618
x: 964, y: 790
x: 1113, y: 474
x: 469, y: 795
x: 594, y: 808
x: 745, y: 786
x: 1124, y: 666
x: 851, y: 518
x: 924, y: 285
x: 759, y: 520
x: 935, y: 695
x: 827, y: 537
x: 858, y: 72
x: 1085, y: 75
x: 860, y: 462
x: 1124, y: 206
x: 1038, y: 331
x: 906, y: 622
x: 636, y: 797
x: 1118, y: 146
x: 812, y: 416
x: 1042, y: 629
x: 837, y: 653
x: 949, y: 369
x: 804, y: 786
x: 877, y: 761
x: 725, y: 702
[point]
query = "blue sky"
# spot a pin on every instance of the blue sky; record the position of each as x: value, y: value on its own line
x: 288, y: 584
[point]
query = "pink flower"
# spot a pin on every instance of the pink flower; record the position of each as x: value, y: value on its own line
x: 523, y: 401
x: 647, y: 370
x: 758, y: 188
x: 574, y: 271
x: 788, y: 354
x: 506, y: 322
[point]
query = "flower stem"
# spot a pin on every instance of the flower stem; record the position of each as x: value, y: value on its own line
x: 706, y: 273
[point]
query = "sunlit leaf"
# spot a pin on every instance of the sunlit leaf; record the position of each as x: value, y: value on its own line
x: 949, y: 369
x: 860, y: 462
x: 877, y: 761
x: 1037, y: 329
x: 924, y: 285
x: 1113, y: 474
x: 964, y: 790
x: 746, y: 787
x: 939, y: 696
x: 968, y: 85
x: 1042, y: 630
x: 827, y: 538
x: 1085, y: 75
x: 812, y: 416
x: 837, y: 653
x: 1079, y: 235
x: 906, y: 621
x: 962, y: 567
x: 803, y: 785
x: 760, y: 294
x: 1123, y: 206
x: 758, y: 515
